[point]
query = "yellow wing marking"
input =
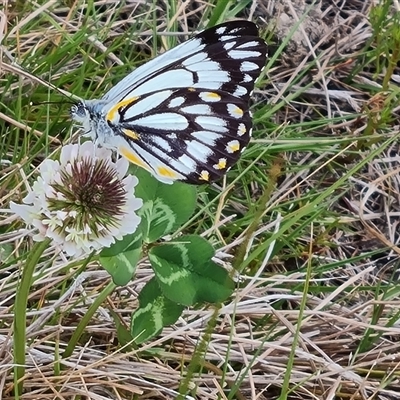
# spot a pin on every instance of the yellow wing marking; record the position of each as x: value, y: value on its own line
x: 166, y: 172
x: 111, y: 114
x: 204, y: 176
x: 238, y: 111
x: 242, y: 129
x: 221, y: 164
x: 233, y: 146
x: 132, y: 134
x: 213, y: 95
x: 133, y: 158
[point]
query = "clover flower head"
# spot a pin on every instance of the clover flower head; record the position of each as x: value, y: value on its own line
x: 83, y: 202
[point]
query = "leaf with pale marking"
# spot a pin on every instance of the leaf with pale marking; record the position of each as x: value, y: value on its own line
x: 186, y: 274
x: 154, y: 313
x: 120, y: 259
x: 165, y: 207
x: 123, y: 333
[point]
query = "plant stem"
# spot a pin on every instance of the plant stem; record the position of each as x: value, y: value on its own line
x: 274, y: 173
x: 21, y: 301
x: 86, y: 318
x: 197, y: 358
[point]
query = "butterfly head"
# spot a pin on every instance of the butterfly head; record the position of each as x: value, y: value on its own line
x: 79, y: 112
x: 82, y: 113
x: 88, y: 114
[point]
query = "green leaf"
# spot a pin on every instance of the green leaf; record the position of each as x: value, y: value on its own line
x: 154, y: 313
x: 124, y: 336
x: 165, y: 207
x: 146, y: 189
x: 6, y: 250
x: 120, y: 260
x: 187, y: 275
x: 128, y: 242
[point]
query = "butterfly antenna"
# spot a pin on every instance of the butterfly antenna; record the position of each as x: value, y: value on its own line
x: 18, y: 70
x: 50, y: 102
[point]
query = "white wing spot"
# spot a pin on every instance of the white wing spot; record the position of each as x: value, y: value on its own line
x: 221, y: 30
x: 234, y: 111
x: 178, y: 101
x: 247, y: 78
x: 241, y: 129
x: 208, y: 85
x: 162, y: 143
x: 240, y: 91
x: 221, y: 164
x: 232, y: 146
x: 248, y: 44
x: 163, y: 121
x: 161, y: 153
x: 229, y: 45
x: 228, y: 37
x: 215, y: 124
x: 204, y: 175
x: 235, y: 30
x: 199, y: 151
x: 218, y: 76
x: 184, y: 164
x: 243, y: 54
x: 188, y: 162
x: 171, y: 136
x: 197, y: 109
x: 206, y: 137
x: 209, y: 96
x: 248, y: 66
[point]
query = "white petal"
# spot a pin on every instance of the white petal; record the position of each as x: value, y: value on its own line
x: 38, y: 237
x: 47, y: 170
x: 122, y: 166
x: 105, y: 241
x: 30, y: 197
x: 103, y: 153
x: 71, y: 249
x: 68, y: 152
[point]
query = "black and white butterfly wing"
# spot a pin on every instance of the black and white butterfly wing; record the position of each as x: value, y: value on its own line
x: 184, y: 115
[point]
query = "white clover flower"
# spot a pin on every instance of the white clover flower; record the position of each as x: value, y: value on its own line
x: 83, y: 202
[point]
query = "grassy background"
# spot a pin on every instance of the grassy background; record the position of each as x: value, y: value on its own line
x: 314, y: 203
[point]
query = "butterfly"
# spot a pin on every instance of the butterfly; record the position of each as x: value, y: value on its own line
x: 184, y: 115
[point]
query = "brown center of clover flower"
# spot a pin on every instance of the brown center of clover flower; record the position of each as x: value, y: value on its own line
x: 94, y: 191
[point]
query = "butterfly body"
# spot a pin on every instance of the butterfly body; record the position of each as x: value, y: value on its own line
x: 185, y: 114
